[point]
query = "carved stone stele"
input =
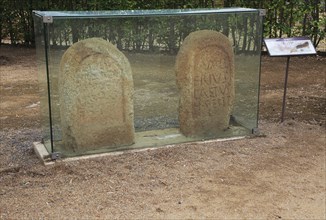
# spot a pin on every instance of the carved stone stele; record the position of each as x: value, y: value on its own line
x: 205, y: 78
x: 95, y: 96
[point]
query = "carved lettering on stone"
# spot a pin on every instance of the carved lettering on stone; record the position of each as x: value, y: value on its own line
x: 96, y: 96
x: 205, y: 77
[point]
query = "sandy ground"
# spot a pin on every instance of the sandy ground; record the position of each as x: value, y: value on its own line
x: 279, y: 175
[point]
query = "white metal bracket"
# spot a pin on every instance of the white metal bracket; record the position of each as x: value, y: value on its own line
x: 47, y: 19
x: 55, y: 155
x: 262, y: 12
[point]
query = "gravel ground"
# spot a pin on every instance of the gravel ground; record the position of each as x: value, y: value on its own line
x: 278, y: 175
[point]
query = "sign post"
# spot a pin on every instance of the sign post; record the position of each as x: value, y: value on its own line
x: 287, y: 47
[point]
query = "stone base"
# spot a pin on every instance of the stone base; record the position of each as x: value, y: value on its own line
x: 45, y: 156
x: 42, y: 153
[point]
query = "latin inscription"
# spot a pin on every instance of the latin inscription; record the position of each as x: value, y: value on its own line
x: 211, y: 82
x: 205, y: 76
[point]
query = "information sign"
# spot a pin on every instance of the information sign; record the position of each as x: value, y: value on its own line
x: 294, y: 46
x: 288, y: 47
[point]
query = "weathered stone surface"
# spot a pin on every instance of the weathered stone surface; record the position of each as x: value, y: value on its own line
x: 95, y: 90
x: 205, y: 77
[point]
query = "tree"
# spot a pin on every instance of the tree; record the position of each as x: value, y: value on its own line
x: 285, y: 18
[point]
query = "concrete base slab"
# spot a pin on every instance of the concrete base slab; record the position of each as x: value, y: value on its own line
x: 42, y: 153
x: 45, y: 156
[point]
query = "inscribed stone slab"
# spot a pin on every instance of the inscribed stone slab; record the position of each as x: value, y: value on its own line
x: 96, y: 96
x: 205, y: 78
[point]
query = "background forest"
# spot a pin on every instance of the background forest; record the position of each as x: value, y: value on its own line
x: 284, y: 18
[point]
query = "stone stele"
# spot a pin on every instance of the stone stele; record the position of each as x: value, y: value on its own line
x: 205, y: 78
x: 96, y: 96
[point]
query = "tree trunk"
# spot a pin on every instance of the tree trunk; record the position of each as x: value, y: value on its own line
x: 235, y: 44
x: 75, y: 32
x: 137, y: 29
x: 120, y: 36
x: 171, y: 40
x: 31, y: 23
x: 281, y: 19
x: 315, y: 16
x: 1, y: 21
x: 150, y: 36
x: 245, y: 34
x: 252, y: 38
x: 11, y: 31
x: 275, y: 23
x: 291, y: 20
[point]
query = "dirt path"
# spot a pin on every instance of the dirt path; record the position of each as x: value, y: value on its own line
x: 280, y: 175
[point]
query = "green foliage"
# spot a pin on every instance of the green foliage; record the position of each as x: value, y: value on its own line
x: 296, y: 18
x: 285, y: 18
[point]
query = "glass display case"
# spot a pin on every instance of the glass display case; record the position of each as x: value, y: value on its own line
x: 118, y: 80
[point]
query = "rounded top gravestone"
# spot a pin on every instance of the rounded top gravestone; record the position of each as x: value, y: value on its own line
x: 95, y: 96
x: 205, y: 78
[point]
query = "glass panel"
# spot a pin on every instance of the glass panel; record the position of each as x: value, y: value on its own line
x: 151, y: 43
x: 140, y: 13
x: 42, y: 78
x: 247, y: 61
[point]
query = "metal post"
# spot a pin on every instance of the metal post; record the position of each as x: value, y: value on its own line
x: 45, y: 33
x: 285, y: 87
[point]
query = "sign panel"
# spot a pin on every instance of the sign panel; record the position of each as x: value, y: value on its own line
x: 289, y: 46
